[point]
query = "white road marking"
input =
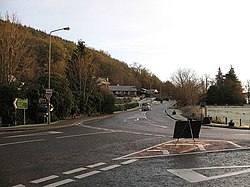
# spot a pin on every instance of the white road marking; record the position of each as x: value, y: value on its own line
x: 164, y: 127
x: 97, y: 128
x: 60, y: 183
x: 19, y: 185
x: 137, y: 117
x: 87, y: 174
x: 34, y: 134
x: 193, y: 176
x: 77, y: 135
x: 110, y: 167
x: 193, y: 144
x: 37, y: 181
x: 54, y: 132
x: 236, y: 145
x: 165, y: 152
x: 201, y: 147
x: 96, y: 165
x: 129, y: 161
x: 21, y: 142
x: 119, y: 131
x: 123, y: 157
x: 188, y: 175
x: 74, y: 171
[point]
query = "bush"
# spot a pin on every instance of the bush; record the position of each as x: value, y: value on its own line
x: 8, y: 93
x: 121, y: 107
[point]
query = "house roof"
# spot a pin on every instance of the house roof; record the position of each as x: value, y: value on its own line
x: 102, y: 81
x: 123, y: 88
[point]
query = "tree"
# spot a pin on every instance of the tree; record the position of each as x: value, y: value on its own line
x: 81, y: 73
x: 16, y: 61
x: 212, y: 96
x: 8, y: 93
x: 62, y: 98
x: 215, y: 93
x: 233, y: 88
x: 219, y: 78
x: 168, y: 90
x: 227, y: 89
x: 187, y: 87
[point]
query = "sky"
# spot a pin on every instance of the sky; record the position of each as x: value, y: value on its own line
x: 161, y: 35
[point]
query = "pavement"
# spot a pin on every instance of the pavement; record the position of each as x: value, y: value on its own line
x: 52, y: 125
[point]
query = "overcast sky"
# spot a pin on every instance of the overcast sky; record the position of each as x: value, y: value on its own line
x: 162, y: 35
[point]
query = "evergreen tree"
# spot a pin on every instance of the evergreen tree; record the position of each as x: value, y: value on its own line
x: 219, y: 95
x: 227, y: 89
x: 219, y: 78
x: 212, y: 95
x: 233, y: 91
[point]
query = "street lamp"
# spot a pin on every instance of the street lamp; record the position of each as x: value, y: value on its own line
x: 49, y: 90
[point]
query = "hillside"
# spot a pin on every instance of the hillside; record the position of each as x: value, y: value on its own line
x: 25, y: 49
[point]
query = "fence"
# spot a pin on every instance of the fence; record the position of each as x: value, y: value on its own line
x: 240, y: 116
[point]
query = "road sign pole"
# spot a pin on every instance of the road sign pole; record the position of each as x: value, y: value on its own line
x: 24, y: 116
x: 48, y: 94
x: 15, y: 117
x: 49, y: 112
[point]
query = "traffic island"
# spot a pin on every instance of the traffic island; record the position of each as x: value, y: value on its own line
x: 184, y: 146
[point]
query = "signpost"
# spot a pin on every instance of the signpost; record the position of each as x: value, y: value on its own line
x: 48, y: 94
x: 20, y: 104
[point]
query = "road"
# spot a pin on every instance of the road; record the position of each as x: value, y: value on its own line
x: 105, y: 153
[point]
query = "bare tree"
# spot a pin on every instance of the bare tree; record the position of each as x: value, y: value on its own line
x: 187, y: 86
x: 15, y: 58
x: 81, y: 73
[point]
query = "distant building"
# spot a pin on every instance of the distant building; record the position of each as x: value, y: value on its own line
x: 149, y: 92
x: 103, y: 83
x: 247, y: 96
x: 119, y: 91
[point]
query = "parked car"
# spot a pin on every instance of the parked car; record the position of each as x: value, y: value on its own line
x: 145, y: 107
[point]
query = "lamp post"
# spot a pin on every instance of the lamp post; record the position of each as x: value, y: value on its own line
x: 48, y: 91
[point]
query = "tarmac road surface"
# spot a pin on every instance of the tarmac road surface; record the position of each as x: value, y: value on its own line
x: 134, y: 148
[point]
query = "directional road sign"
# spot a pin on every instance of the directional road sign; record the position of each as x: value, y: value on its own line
x: 20, y: 103
x: 48, y: 93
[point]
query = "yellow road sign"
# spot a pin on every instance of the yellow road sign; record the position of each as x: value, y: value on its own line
x: 20, y: 103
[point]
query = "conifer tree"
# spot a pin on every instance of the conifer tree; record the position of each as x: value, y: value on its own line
x: 227, y: 89
x: 233, y: 93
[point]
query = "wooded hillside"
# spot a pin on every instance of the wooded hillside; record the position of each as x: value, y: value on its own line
x: 75, y: 68
x: 24, y: 51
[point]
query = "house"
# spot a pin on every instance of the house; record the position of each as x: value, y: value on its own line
x: 149, y: 92
x: 103, y: 83
x: 118, y: 90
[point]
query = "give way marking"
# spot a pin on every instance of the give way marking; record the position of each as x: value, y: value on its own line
x: 191, y: 175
